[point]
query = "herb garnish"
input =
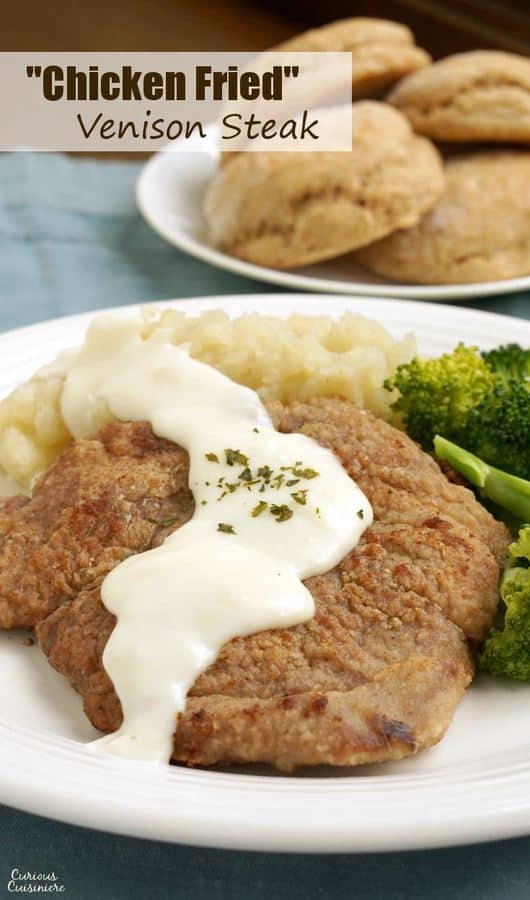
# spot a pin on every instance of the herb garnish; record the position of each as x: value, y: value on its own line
x: 262, y: 478
x: 235, y: 456
x: 164, y: 523
x: 226, y: 529
x: 305, y: 473
x: 299, y: 497
x: 281, y: 513
x: 360, y: 513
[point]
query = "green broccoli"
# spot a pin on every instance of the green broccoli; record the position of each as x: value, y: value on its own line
x: 480, y: 401
x: 511, y: 362
x: 506, y: 650
x: 436, y: 395
x: 498, y: 428
x: 504, y: 489
x: 520, y: 550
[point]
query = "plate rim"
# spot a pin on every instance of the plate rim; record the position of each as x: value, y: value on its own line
x: 452, y: 825
x: 289, y: 279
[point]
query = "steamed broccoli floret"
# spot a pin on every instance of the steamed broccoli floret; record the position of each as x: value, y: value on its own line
x: 511, y: 362
x: 498, y: 428
x: 436, y: 395
x: 507, y: 650
x: 479, y: 401
x: 520, y: 549
x: 506, y: 490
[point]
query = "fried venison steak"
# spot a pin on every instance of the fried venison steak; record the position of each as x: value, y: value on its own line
x: 101, y: 501
x: 375, y: 675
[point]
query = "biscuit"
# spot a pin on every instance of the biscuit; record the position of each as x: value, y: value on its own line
x: 479, y: 96
x: 284, y: 209
x: 479, y: 230
x: 382, y: 52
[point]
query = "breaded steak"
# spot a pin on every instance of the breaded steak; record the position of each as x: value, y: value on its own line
x: 375, y: 675
x: 103, y: 500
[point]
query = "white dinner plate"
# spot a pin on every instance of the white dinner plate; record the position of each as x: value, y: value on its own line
x: 170, y: 194
x: 474, y: 786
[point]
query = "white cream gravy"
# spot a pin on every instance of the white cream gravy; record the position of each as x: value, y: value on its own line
x: 237, y: 566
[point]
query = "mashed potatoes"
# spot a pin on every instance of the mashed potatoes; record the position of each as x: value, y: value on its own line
x: 284, y: 359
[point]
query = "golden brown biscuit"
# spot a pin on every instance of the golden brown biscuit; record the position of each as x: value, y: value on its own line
x: 479, y: 230
x: 478, y: 96
x: 291, y: 208
x: 382, y: 51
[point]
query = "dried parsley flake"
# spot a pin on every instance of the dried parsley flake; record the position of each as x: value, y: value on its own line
x: 235, y: 456
x: 299, y: 497
x: 281, y: 513
x: 226, y: 529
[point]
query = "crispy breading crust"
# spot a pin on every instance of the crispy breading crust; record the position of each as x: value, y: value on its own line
x: 103, y: 500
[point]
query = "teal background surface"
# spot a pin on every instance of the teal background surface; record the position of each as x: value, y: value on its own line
x: 71, y: 240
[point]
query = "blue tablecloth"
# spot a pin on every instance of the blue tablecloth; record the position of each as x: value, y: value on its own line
x: 71, y: 240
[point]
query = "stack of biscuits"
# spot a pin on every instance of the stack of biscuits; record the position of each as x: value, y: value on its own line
x: 409, y: 212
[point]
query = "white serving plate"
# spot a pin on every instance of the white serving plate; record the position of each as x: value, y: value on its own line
x: 474, y: 786
x: 170, y: 194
